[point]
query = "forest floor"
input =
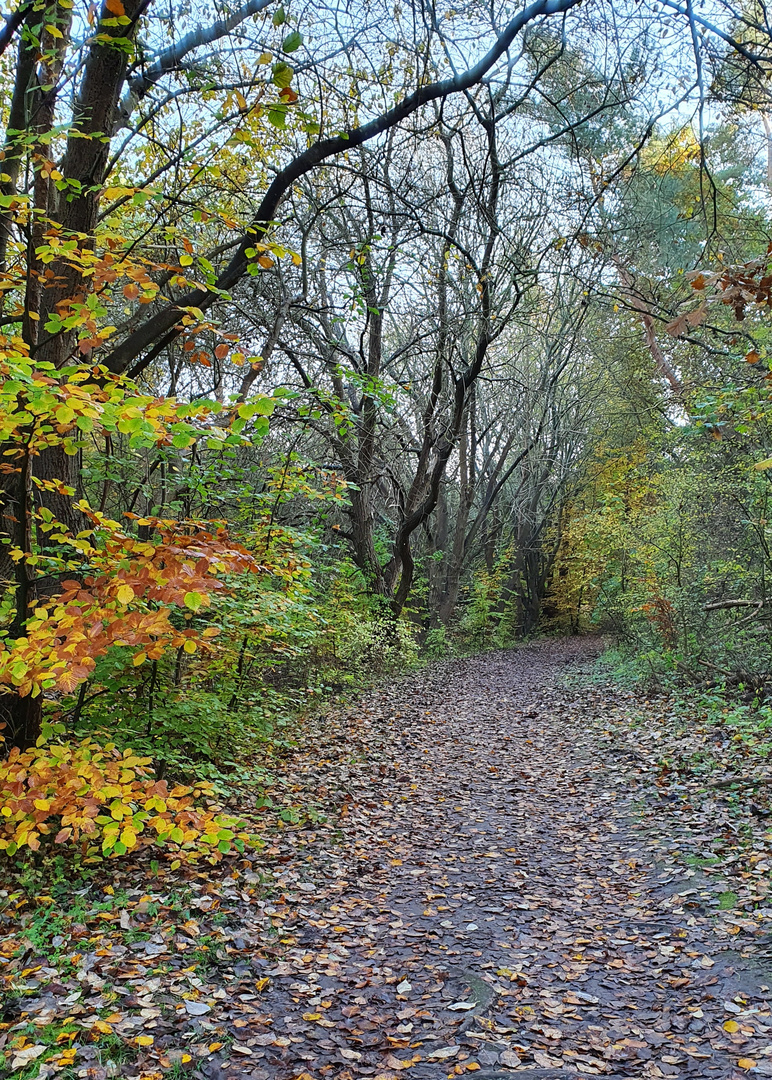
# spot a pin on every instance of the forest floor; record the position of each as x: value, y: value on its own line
x: 506, y: 882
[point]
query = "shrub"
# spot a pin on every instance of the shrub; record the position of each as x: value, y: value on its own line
x: 379, y: 645
x: 108, y: 802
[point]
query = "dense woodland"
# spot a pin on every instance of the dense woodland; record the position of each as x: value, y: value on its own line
x: 337, y: 336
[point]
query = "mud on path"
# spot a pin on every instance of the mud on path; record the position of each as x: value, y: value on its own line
x: 485, y: 903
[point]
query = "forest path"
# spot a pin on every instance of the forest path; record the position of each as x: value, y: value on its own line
x: 487, y: 854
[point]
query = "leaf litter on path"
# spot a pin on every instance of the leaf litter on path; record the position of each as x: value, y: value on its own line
x: 499, y: 888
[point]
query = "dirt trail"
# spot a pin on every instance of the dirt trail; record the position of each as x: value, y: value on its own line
x: 485, y: 903
x: 495, y: 891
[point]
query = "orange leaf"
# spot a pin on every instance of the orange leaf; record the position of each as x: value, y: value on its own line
x: 67, y: 681
x: 115, y: 7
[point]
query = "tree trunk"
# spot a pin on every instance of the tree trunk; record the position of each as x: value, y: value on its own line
x: 21, y: 720
x: 53, y: 289
x: 455, y: 563
x: 363, y: 541
x: 20, y: 717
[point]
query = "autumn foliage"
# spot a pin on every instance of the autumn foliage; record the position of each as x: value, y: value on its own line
x: 78, y: 593
x: 126, y: 600
x: 126, y: 586
x: 106, y: 801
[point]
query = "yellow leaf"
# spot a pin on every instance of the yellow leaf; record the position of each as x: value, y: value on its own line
x: 213, y: 1047
x: 189, y: 646
x: 261, y: 984
x: 125, y: 594
x: 111, y: 193
x: 731, y: 1026
x: 42, y: 804
x: 746, y: 1063
x: 140, y: 658
x: 129, y: 838
x: 144, y: 1040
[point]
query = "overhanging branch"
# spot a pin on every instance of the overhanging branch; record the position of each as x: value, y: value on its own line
x: 165, y: 320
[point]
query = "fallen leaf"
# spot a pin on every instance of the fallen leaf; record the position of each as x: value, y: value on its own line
x: 196, y: 1008
x: 25, y: 1056
x: 397, y: 1063
x: 443, y: 1053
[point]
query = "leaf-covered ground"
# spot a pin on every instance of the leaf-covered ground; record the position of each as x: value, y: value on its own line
x: 520, y: 870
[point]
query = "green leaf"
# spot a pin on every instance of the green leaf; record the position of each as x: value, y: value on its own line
x: 279, y: 16
x: 263, y: 406
x: 282, y: 75
x: 292, y: 42
x: 193, y: 600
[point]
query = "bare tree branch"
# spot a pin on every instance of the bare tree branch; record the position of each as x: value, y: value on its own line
x: 163, y: 321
